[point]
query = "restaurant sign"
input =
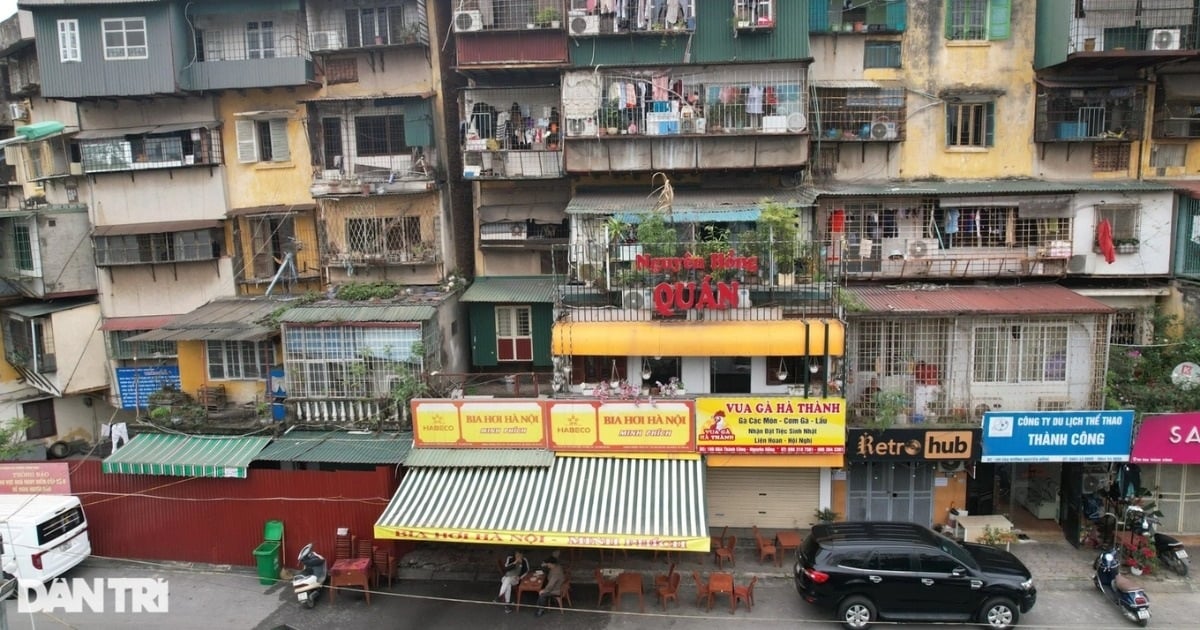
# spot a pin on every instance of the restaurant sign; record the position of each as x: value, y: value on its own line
x: 545, y: 539
x: 771, y: 425
x: 563, y: 425
x: 671, y: 297
x: 1168, y: 439
x: 912, y: 444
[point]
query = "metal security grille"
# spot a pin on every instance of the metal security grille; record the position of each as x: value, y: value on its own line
x: 1020, y: 353
x: 1108, y: 158
x: 119, y: 346
x: 378, y: 236
x: 348, y: 362
x: 966, y: 19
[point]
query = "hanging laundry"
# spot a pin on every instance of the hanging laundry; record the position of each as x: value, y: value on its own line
x: 837, y: 221
x: 754, y: 100
x: 1105, y: 241
x: 890, y: 230
x: 674, y: 11
x: 873, y: 225
x: 660, y: 87
x: 952, y: 221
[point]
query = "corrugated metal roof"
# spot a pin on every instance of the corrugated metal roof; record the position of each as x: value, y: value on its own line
x: 185, y: 455
x: 276, y: 209
x: 953, y: 187
x: 359, y: 313
x: 593, y: 501
x: 709, y: 202
x: 527, y: 289
x: 478, y: 458
x: 338, y: 447
x: 219, y: 320
x: 1121, y: 185
x: 37, y: 309
x: 143, y: 322
x: 1044, y: 299
x: 1187, y: 187
x: 155, y: 228
x: 120, y: 132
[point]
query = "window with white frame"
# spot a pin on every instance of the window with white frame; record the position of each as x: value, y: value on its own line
x: 68, y: 41
x: 348, y: 361
x: 125, y: 38
x: 1124, y: 219
x: 1020, y: 353
x: 975, y: 20
x: 377, y: 26
x: 260, y: 40
x: 262, y: 140
x: 514, y: 333
x: 120, y: 347
x: 239, y: 360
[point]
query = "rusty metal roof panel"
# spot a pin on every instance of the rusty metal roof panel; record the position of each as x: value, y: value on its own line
x: 924, y: 299
x: 510, y: 289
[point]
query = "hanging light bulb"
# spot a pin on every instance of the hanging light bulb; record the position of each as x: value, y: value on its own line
x: 782, y: 373
x: 814, y: 367
x: 646, y: 374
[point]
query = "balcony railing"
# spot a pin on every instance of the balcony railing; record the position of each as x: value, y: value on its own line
x: 862, y: 16
x: 522, y: 234
x: 1104, y: 113
x: 1119, y: 26
x: 861, y: 114
x: 335, y: 27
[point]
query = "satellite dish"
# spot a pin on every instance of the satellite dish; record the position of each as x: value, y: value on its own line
x: 1186, y: 375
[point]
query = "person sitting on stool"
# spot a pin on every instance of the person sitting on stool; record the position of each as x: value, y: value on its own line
x: 555, y: 580
x: 515, y: 568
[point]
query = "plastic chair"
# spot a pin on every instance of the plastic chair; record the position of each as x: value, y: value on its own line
x: 745, y: 594
x: 630, y: 583
x: 564, y: 596
x: 384, y: 564
x: 701, y: 589
x: 726, y: 553
x: 607, y: 587
x: 716, y: 542
x: 664, y: 579
x: 669, y: 591
x: 766, y: 548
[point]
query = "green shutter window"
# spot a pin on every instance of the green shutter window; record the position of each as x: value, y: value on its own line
x: 999, y: 19
x: 948, y: 21
x: 418, y: 123
x: 897, y: 15
x: 989, y: 123
x: 818, y: 16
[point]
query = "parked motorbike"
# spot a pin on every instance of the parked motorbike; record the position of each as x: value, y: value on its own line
x: 308, y: 583
x: 1119, y: 589
x: 1168, y: 548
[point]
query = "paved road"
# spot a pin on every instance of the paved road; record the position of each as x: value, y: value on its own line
x: 208, y: 600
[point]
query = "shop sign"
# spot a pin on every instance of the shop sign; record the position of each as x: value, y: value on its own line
x: 545, y: 539
x: 771, y: 425
x: 490, y: 423
x: 671, y: 297
x: 1168, y: 439
x: 912, y: 444
x: 665, y: 426
x: 1057, y: 436
x: 35, y: 478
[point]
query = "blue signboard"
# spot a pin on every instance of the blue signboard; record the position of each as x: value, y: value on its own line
x: 135, y: 384
x: 1057, y: 436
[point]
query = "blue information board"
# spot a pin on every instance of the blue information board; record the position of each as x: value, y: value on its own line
x: 1057, y: 436
x: 135, y: 384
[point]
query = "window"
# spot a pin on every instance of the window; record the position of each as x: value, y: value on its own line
x: 262, y: 140
x: 1020, y: 353
x: 348, y: 361
x: 22, y: 247
x: 1109, y: 158
x: 121, y: 348
x: 270, y: 236
x: 379, y: 26
x: 514, y: 333
x: 160, y: 247
x: 1168, y: 155
x: 41, y: 412
x: 891, y: 560
x: 974, y: 20
x: 881, y: 54
x: 331, y: 142
x: 125, y: 38
x: 378, y: 236
x: 933, y: 562
x: 239, y: 360
x: 890, y: 348
x: 1125, y: 328
x: 29, y: 343
x: 380, y: 135
x: 341, y: 71
x: 260, y: 40
x: 1124, y: 219
x: 994, y: 226
x: 970, y: 124
x: 68, y: 41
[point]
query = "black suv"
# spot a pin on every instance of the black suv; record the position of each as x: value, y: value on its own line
x: 905, y: 572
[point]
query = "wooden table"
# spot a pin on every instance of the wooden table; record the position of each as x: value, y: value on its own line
x: 970, y: 528
x: 531, y: 583
x: 721, y: 583
x: 350, y: 572
x: 785, y: 540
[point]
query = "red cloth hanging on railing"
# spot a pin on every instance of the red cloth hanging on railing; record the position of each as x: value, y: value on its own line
x: 1105, y: 241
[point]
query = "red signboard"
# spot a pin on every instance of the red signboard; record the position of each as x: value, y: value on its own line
x: 35, y: 478
x: 707, y: 294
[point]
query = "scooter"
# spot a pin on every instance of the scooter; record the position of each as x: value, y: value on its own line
x: 308, y: 583
x: 1168, y: 549
x: 1120, y: 590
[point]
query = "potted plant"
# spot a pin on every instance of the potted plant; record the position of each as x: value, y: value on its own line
x: 775, y: 237
x: 1127, y: 245
x: 548, y: 17
x: 826, y: 515
x: 610, y: 118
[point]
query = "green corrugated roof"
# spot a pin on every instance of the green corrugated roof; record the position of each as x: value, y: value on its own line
x: 338, y: 447
x: 1119, y: 185
x: 359, y: 313
x: 478, y: 458
x: 525, y: 289
x: 185, y: 455
x: 953, y: 187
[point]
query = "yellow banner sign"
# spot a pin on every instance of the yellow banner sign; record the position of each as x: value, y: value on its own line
x: 490, y: 423
x: 622, y: 426
x: 545, y: 539
x: 768, y: 424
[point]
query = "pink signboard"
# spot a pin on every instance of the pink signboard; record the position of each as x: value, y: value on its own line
x: 35, y: 478
x: 1168, y: 439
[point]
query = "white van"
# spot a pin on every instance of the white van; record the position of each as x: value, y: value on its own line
x: 42, y: 536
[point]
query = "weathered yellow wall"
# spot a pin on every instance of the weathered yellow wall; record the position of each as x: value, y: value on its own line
x: 266, y: 183
x: 308, y: 259
x: 932, y: 65
x: 7, y: 373
x: 193, y: 374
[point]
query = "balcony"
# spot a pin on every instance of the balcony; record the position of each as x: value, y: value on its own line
x: 33, y: 265
x: 859, y: 111
x: 354, y: 234
x: 529, y: 234
x: 334, y: 28
x: 866, y: 17
x: 241, y: 50
x: 508, y: 34
x: 382, y: 149
x: 1115, y: 35
x: 16, y: 33
x: 1089, y: 112
x: 154, y: 147
x: 518, y: 141
x: 268, y: 239
x: 56, y: 346
x: 1176, y: 108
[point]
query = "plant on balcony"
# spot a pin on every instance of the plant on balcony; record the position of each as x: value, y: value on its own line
x: 657, y: 236
x: 548, y: 17
x: 673, y: 387
x: 889, y: 404
x: 610, y: 118
x: 774, y: 239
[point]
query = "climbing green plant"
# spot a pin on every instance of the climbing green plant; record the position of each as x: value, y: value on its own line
x: 12, y: 434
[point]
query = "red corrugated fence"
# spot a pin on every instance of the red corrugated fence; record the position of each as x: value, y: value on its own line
x: 221, y: 521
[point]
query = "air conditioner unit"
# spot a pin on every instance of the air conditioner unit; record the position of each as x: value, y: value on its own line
x: 326, y: 40
x: 1094, y: 482
x: 76, y: 168
x: 585, y: 25
x: 1164, y: 39
x: 952, y: 466
x: 884, y: 129
x: 581, y: 127
x: 467, y: 21
x: 638, y: 299
x: 797, y: 122
x: 16, y: 111
x: 919, y: 248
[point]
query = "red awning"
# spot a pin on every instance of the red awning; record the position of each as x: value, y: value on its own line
x: 147, y: 322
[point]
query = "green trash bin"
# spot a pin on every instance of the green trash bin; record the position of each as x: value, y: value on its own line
x: 268, y: 555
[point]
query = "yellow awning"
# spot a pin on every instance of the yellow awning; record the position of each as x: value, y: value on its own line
x: 700, y: 339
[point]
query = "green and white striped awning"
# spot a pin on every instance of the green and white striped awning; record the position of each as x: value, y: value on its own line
x: 631, y: 502
x: 185, y: 455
